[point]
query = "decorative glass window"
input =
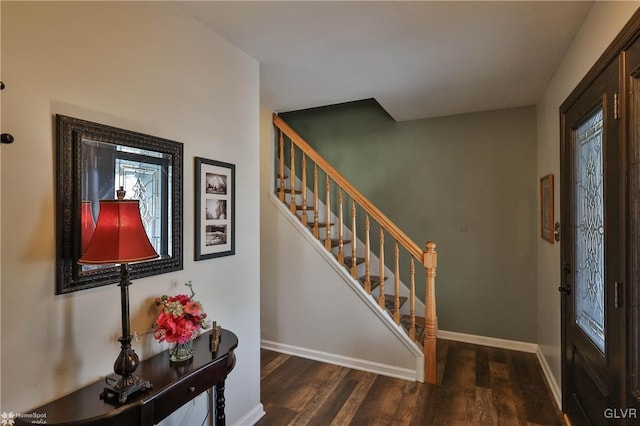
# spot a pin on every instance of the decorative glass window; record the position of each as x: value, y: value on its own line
x: 589, y: 232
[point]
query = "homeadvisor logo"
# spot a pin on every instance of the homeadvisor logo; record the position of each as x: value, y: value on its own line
x: 8, y: 419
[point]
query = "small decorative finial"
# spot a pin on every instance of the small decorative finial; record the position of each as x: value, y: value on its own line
x: 120, y: 193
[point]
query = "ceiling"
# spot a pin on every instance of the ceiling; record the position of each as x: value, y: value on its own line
x: 417, y: 59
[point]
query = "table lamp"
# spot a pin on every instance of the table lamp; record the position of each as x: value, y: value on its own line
x: 120, y: 238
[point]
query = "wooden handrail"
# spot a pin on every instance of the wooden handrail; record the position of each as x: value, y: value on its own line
x: 413, y: 248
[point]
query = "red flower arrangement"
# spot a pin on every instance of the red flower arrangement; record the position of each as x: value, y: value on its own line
x: 180, y: 318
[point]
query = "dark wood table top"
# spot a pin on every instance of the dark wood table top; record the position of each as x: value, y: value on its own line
x: 84, y: 406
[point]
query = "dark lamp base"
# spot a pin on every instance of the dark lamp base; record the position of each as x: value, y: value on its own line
x: 122, y: 387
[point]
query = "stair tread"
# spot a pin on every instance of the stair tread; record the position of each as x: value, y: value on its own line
x: 320, y: 224
x: 375, y: 281
x: 419, y: 320
x: 348, y: 260
x: 299, y: 207
x: 288, y: 191
x: 389, y: 301
x: 405, y: 321
x: 335, y: 242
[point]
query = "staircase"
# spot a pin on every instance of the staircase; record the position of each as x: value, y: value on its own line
x: 318, y: 195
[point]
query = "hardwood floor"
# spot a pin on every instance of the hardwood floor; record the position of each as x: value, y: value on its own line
x: 477, y: 385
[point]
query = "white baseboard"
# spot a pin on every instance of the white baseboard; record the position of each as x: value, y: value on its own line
x: 252, y: 417
x: 551, y: 380
x: 343, y: 361
x: 513, y: 345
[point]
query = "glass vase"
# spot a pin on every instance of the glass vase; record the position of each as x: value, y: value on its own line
x: 181, y: 351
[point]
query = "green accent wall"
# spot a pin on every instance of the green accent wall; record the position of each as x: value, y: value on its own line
x: 467, y: 182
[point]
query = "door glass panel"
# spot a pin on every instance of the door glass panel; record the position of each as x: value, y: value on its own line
x: 589, y: 249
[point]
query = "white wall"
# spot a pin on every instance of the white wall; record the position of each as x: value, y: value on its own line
x: 603, y: 23
x: 146, y: 67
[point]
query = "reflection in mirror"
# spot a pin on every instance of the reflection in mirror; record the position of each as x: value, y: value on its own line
x: 88, y: 224
x: 93, y: 162
x: 145, y: 176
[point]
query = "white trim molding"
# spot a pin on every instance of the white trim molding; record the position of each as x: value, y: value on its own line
x: 252, y: 417
x: 343, y: 361
x: 513, y: 345
x: 554, y: 387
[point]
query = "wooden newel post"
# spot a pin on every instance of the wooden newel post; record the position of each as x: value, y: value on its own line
x: 430, y: 262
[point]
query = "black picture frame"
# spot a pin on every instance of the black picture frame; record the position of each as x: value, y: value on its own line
x: 73, y: 136
x: 214, y: 209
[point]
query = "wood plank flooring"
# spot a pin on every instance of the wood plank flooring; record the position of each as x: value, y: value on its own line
x: 477, y: 385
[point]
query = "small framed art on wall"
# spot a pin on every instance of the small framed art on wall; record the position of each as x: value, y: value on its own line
x: 214, y: 209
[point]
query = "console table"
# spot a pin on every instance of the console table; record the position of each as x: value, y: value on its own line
x: 174, y: 384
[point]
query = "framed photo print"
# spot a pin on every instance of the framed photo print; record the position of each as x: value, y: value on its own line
x: 546, y: 208
x: 215, y: 209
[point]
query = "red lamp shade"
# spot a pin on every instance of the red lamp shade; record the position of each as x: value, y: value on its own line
x: 87, y: 223
x: 119, y: 236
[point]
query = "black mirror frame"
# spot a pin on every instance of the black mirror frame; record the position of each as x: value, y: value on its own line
x: 69, y: 135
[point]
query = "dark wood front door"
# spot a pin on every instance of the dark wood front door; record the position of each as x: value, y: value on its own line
x: 592, y: 255
x: 632, y: 79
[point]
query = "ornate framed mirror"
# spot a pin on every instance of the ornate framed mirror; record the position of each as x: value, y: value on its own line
x: 93, y: 160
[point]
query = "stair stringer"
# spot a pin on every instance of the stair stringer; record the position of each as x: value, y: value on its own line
x: 382, y: 315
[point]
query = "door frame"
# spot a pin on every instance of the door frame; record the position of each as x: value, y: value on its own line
x: 600, y: 370
x: 630, y: 208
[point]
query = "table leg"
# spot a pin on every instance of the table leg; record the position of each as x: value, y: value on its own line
x: 220, y: 417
